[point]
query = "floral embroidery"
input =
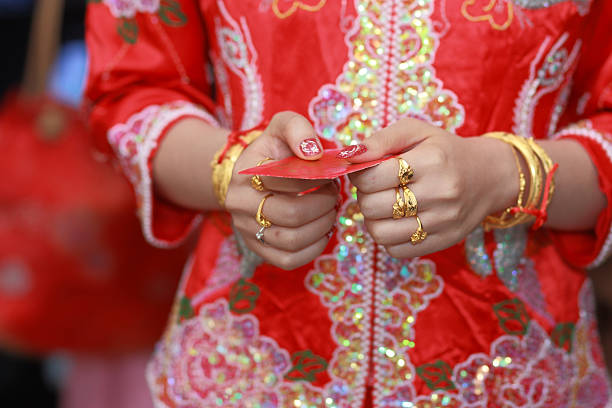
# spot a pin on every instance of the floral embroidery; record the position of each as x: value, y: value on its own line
x: 240, y: 57
x: 133, y: 143
x: 216, y: 359
x: 389, y: 75
x: 306, y: 366
x: 500, y: 13
x: 169, y: 12
x: 129, y: 8
x: 533, y: 372
x: 286, y: 8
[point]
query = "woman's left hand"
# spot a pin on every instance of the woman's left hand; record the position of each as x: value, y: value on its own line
x: 457, y: 182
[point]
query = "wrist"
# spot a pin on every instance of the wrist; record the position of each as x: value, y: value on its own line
x: 500, y: 172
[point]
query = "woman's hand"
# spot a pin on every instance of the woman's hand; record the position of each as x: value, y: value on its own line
x: 457, y: 182
x: 301, y: 223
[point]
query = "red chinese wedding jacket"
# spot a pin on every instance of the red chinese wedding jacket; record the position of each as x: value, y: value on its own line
x: 503, y: 319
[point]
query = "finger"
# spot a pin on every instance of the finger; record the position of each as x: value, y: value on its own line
x: 423, y: 159
x: 393, y: 139
x: 287, y: 260
x: 287, y: 210
x: 288, y: 185
x: 288, y: 239
x: 379, y: 205
x: 395, y: 232
x: 297, y: 133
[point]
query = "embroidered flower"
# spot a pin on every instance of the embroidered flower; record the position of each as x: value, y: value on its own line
x: 533, y: 372
x: 129, y: 8
x: 218, y: 359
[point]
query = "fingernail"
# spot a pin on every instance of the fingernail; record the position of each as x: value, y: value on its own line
x: 310, y: 147
x: 352, y: 151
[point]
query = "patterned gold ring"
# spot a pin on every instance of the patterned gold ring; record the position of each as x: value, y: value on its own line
x: 256, y: 181
x: 405, y: 172
x: 259, y: 217
x: 419, y: 235
x: 399, y: 208
x: 410, y: 201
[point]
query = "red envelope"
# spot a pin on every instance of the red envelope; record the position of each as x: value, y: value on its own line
x: 327, y: 167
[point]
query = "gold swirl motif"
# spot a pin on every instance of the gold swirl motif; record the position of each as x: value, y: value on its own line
x: 295, y: 6
x: 487, y: 14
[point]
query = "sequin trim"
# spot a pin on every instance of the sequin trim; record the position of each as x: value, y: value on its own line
x: 546, y: 74
x: 240, y: 56
x: 133, y: 143
x: 403, y: 289
x: 390, y: 74
x: 588, y: 132
x: 344, y: 282
x: 129, y: 8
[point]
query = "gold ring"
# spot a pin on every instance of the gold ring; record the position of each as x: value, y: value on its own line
x: 410, y: 202
x: 256, y: 181
x: 399, y: 208
x: 259, y: 217
x: 419, y: 235
x: 405, y: 172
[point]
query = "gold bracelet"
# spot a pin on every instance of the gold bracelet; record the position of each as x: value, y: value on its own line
x: 548, y: 165
x: 223, y: 169
x: 535, y: 189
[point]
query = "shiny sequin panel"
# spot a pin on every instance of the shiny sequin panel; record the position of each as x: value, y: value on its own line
x: 535, y: 372
x: 389, y: 74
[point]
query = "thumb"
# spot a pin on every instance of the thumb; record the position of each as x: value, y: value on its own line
x: 393, y: 139
x: 297, y: 133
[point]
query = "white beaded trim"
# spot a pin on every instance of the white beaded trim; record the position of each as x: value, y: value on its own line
x: 606, y: 145
x: 152, y: 131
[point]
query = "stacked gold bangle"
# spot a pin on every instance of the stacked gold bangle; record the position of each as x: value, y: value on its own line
x: 225, y: 159
x: 540, y: 166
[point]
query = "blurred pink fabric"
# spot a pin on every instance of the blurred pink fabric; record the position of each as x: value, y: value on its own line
x: 107, y: 382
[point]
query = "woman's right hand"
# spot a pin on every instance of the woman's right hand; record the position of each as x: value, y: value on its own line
x: 301, y: 223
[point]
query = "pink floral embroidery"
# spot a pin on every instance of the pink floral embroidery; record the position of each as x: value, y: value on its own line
x: 533, y: 373
x: 129, y: 8
x: 218, y: 359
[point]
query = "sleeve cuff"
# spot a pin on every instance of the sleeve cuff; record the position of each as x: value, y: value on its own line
x: 590, y: 249
x: 164, y: 225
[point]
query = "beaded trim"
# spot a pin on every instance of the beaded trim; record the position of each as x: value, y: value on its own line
x: 133, y: 143
x: 592, y: 134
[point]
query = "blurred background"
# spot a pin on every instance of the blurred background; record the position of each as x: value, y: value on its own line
x: 82, y: 297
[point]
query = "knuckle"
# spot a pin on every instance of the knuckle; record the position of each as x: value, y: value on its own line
x: 375, y: 230
x: 395, y: 251
x: 438, y: 155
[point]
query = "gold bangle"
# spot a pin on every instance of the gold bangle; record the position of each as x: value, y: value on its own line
x: 222, y: 171
x: 535, y: 172
x: 548, y: 164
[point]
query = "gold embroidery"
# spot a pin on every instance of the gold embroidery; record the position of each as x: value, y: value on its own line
x: 489, y: 12
x: 296, y: 5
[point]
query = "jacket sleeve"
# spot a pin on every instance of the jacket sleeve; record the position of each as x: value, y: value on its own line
x: 147, y: 70
x: 588, y: 120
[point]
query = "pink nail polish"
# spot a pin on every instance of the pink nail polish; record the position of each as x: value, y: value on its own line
x: 310, y: 147
x: 352, y: 151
